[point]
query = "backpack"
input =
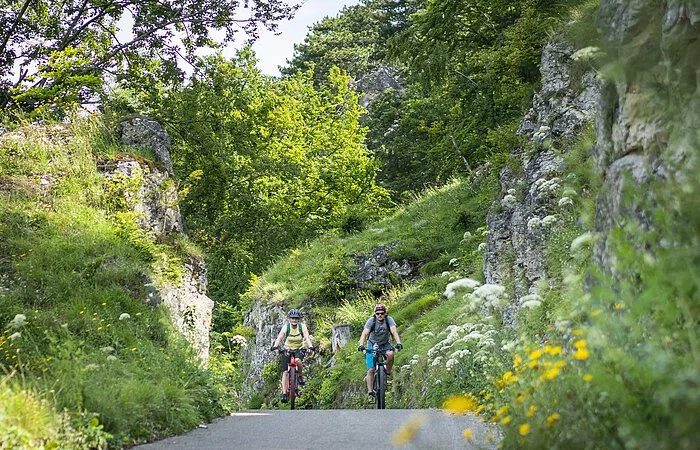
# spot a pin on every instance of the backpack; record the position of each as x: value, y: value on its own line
x: 289, y: 329
x: 374, y: 323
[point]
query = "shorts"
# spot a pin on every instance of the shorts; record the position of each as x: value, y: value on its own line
x: 369, y: 357
x: 285, y: 358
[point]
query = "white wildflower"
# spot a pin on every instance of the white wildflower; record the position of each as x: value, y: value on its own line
x: 466, y: 283
x: 19, y: 321
x: 445, y: 273
x: 92, y: 366
x: 482, y: 246
x: 240, y: 340
x: 531, y: 304
x: 467, y: 235
x: 581, y: 241
x: 550, y: 220
x: 111, y: 358
x: 108, y: 349
x: 511, y: 191
x: 438, y: 381
x: 534, y: 224
x: 450, y: 364
x: 437, y: 361
x: 565, y: 201
x: 453, y: 261
x: 585, y: 53
x: 15, y: 335
x: 509, y: 201
x: 485, y: 232
x: 426, y: 334
x: 124, y: 316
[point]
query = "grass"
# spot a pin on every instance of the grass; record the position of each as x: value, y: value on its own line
x: 78, y: 284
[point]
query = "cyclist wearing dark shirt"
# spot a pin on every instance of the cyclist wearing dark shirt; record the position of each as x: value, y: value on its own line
x: 377, y: 330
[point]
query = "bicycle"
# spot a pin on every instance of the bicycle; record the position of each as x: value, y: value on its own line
x: 293, y: 369
x: 379, y: 360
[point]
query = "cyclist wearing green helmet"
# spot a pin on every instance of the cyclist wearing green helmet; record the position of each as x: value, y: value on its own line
x: 292, y: 336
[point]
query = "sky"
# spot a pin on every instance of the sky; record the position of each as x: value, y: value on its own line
x: 273, y: 51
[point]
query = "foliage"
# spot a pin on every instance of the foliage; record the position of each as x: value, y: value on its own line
x: 266, y: 164
x: 55, y: 54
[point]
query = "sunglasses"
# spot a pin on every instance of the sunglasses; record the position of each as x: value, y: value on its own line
x: 379, y: 314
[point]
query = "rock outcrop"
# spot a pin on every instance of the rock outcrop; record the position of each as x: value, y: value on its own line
x: 518, y: 223
x: 152, y: 194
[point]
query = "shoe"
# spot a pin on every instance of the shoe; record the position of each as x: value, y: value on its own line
x: 388, y: 374
x: 302, y: 381
x: 285, y: 398
x: 371, y: 399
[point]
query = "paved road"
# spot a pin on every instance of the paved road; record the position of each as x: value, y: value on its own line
x: 332, y: 429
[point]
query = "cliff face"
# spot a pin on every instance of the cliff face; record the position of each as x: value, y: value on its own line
x: 647, y: 121
x: 155, y: 203
x: 526, y: 212
x: 646, y: 117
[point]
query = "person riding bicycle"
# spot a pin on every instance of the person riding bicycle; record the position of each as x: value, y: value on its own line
x: 377, y: 329
x: 292, y: 337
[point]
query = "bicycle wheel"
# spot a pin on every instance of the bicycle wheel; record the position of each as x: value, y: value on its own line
x: 381, y: 387
x: 293, y: 383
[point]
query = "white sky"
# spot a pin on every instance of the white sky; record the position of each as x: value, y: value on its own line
x: 273, y: 51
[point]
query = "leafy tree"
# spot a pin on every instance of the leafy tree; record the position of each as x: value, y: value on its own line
x: 56, y: 52
x: 267, y: 164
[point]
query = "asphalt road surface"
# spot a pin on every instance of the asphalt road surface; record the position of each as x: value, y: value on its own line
x: 336, y: 429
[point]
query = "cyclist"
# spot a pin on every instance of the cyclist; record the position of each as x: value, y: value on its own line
x: 292, y: 336
x: 377, y: 329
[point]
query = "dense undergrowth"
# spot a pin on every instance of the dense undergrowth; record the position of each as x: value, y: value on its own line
x: 91, y: 361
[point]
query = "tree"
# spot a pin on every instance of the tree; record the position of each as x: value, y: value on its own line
x: 52, y: 52
x: 266, y: 164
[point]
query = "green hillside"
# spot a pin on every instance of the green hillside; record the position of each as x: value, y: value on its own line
x: 86, y: 361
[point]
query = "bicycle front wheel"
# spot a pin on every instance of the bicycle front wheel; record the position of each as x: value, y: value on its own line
x: 381, y: 387
x: 293, y: 383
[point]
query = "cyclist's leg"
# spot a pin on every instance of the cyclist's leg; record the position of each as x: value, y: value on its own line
x: 369, y: 363
x: 389, y: 360
x: 285, y: 374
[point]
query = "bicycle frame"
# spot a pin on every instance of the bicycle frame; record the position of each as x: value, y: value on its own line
x: 293, y: 375
x: 379, y: 358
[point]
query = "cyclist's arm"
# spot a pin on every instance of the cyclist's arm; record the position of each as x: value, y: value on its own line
x: 280, y: 338
x: 395, y: 334
x: 363, y: 337
x: 307, y: 338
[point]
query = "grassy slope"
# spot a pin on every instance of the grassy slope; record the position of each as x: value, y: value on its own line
x: 75, y: 275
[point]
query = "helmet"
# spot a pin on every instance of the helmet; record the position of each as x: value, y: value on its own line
x: 379, y: 308
x: 294, y: 314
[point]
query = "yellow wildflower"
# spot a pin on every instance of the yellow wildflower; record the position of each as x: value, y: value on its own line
x: 524, y: 429
x: 577, y: 332
x: 536, y: 355
x: 559, y: 364
x: 581, y: 343
x: 468, y: 434
x: 552, y: 419
x: 619, y: 306
x: 407, y: 432
x: 552, y: 350
x: 551, y: 374
x: 505, y: 420
x: 516, y: 361
x: 595, y: 313
x: 460, y: 404
x: 532, y: 364
x: 531, y: 410
x: 581, y: 354
x: 588, y: 378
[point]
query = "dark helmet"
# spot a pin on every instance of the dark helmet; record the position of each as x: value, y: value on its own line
x: 294, y: 314
x: 379, y: 308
